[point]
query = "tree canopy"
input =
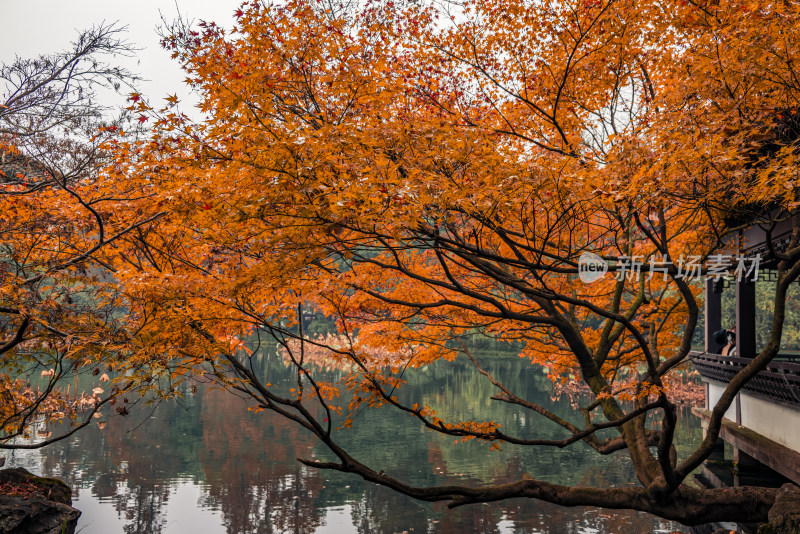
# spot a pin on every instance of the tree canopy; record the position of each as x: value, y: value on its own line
x: 421, y: 172
x: 60, y: 313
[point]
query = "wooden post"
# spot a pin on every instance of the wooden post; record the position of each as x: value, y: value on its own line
x: 746, y: 318
x: 718, y: 452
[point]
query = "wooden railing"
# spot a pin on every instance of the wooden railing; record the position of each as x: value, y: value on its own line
x: 779, y: 381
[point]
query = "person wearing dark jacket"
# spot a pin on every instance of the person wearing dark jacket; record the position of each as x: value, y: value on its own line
x: 726, y: 339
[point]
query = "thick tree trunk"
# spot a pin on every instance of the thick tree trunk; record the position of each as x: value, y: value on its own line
x: 687, y: 505
x: 690, y: 506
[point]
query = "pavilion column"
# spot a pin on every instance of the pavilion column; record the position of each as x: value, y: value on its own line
x: 713, y: 314
x: 746, y: 318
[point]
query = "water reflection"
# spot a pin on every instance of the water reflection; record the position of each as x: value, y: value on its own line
x: 208, y: 465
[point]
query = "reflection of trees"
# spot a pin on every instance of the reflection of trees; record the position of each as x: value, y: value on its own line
x: 462, y: 395
x: 130, y: 469
x: 252, y: 473
x: 552, y: 519
x: 459, y: 394
x: 378, y: 510
x: 144, y: 507
x: 246, y: 464
x: 250, y: 466
x: 124, y: 468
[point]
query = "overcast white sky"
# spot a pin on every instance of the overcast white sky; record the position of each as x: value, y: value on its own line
x: 33, y: 27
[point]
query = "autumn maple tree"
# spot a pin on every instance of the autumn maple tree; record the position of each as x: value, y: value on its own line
x: 423, y: 172
x: 60, y: 312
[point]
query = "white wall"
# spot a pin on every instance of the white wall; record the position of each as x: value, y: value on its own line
x: 775, y: 421
x: 714, y: 393
x: 778, y: 422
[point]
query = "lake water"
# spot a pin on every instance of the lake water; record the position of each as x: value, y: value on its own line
x: 208, y: 465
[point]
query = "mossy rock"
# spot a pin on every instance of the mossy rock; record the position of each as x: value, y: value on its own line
x: 51, y: 488
x: 35, y: 505
x: 784, y: 516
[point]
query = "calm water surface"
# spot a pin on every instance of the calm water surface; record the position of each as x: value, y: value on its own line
x: 207, y: 464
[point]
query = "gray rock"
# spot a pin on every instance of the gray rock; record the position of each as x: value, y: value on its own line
x: 784, y: 516
x: 19, y: 515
